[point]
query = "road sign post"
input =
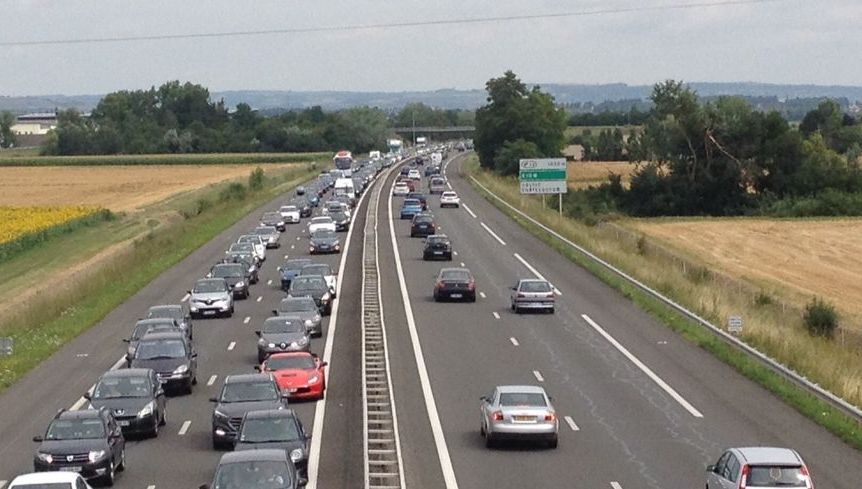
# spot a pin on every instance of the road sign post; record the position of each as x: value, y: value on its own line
x: 734, y: 325
x: 544, y: 176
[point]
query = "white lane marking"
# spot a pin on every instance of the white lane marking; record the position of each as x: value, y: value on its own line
x: 82, y: 400
x: 212, y: 380
x: 449, y: 185
x: 655, y: 378
x: 269, y: 282
x: 616, y: 485
x: 285, y: 256
x: 231, y: 346
x: 536, y: 272
x: 246, y: 320
x: 482, y: 295
x: 148, y: 487
x: 514, y: 341
x: 184, y: 428
x: 538, y: 376
x: 185, y: 297
x: 259, y: 298
x: 428, y: 394
x: 469, y: 211
x: 320, y: 407
x: 496, y: 315
x: 455, y: 253
x: 492, y: 233
x: 292, y: 246
x: 571, y: 423
x: 118, y: 363
x: 297, y: 238
x: 462, y: 264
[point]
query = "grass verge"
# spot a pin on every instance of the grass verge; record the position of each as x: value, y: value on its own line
x: 162, y: 159
x: 43, y: 328
x: 835, y: 421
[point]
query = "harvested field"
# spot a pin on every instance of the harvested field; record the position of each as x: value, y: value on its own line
x: 583, y: 174
x: 118, y: 188
x: 804, y: 257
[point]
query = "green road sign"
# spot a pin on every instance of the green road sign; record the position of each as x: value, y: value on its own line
x: 542, y: 175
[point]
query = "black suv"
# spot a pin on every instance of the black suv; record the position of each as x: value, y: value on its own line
x: 276, y: 428
x: 423, y: 225
x: 256, y: 469
x: 134, y: 396
x: 437, y: 246
x: 172, y: 356
x: 236, y: 275
x: 89, y: 442
x: 239, y: 395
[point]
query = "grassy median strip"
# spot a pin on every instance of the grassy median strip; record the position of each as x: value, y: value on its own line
x: 26, y: 159
x: 43, y: 328
x: 835, y: 421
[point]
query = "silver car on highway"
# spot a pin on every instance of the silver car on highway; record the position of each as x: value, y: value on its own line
x: 518, y: 412
x: 532, y: 294
x: 758, y: 467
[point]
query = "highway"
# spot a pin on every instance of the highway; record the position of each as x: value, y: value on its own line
x: 639, y: 407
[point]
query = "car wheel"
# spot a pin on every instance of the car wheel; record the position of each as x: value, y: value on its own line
x: 512, y: 306
x: 551, y: 310
x: 436, y: 297
x: 230, y: 312
x: 109, y: 477
x: 122, y: 465
x: 154, y: 433
x: 164, y: 419
x: 473, y: 297
x: 552, y: 443
x: 490, y: 442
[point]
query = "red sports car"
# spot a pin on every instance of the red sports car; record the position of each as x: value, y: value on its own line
x: 301, y: 375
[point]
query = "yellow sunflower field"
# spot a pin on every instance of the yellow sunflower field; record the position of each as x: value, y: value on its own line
x: 19, y: 221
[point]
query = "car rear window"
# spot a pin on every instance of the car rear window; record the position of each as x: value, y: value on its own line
x: 410, y: 202
x: 44, y: 485
x: 522, y: 399
x: 455, y: 275
x: 775, y: 476
x: 535, y: 287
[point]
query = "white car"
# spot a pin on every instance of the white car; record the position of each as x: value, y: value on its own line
x: 248, y: 248
x: 321, y: 223
x: 335, y: 206
x: 324, y: 270
x: 450, y: 199
x: 257, y: 241
x: 290, y: 213
x: 414, y: 175
x: 58, y: 480
x: 400, y: 189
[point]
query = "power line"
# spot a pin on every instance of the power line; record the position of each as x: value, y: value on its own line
x: 396, y: 25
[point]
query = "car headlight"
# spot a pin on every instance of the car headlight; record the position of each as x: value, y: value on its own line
x: 240, y: 284
x: 309, y: 322
x: 314, y: 379
x: 316, y: 318
x: 96, y: 455
x: 47, y: 457
x: 261, y: 342
x: 130, y: 351
x: 296, y: 455
x: 146, y: 410
x: 326, y: 296
x: 219, y: 414
x: 270, y: 345
x: 181, y: 369
x: 302, y: 341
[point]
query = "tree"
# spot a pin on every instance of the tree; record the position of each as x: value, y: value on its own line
x: 508, y: 158
x: 7, y: 137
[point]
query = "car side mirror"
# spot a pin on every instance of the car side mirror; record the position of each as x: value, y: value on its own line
x: 710, y: 468
x: 275, y: 312
x: 513, y: 288
x: 87, y: 396
x: 194, y: 355
x: 204, y: 486
x: 483, y: 398
x: 257, y: 368
x: 213, y: 399
x: 209, y: 275
x: 126, y: 340
x: 324, y: 364
x: 160, y: 392
x: 189, y: 292
x: 37, y: 438
x: 257, y: 333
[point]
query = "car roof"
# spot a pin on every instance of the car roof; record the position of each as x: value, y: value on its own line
x: 533, y: 280
x: 269, y: 454
x: 165, y: 306
x: 243, y: 378
x: 411, y: 202
x: 769, y: 455
x: 454, y: 269
x: 270, y: 413
x: 148, y: 321
x: 164, y: 335
x: 127, y: 372
x: 80, y: 414
x: 207, y: 280
x: 45, y: 477
x: 438, y: 236
x: 530, y: 389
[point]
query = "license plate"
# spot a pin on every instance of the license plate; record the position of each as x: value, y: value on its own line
x: 209, y: 313
x: 438, y: 252
x: 123, y: 423
x: 70, y: 469
x: 456, y: 296
x: 524, y: 419
x: 292, y: 390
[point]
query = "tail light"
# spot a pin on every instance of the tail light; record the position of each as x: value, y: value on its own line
x: 438, y: 285
x: 809, y: 483
x: 521, y: 295
x: 498, y: 415
x: 471, y: 285
x: 550, y: 417
x: 743, y: 479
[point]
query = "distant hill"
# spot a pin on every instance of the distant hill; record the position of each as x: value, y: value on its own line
x: 567, y: 94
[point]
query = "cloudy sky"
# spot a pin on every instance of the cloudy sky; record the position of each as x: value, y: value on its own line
x: 783, y: 41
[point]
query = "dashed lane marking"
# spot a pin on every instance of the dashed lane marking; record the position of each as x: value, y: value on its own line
x: 492, y: 233
x: 455, y: 253
x: 496, y: 315
x: 151, y: 487
x: 571, y: 423
x: 184, y: 428
x: 469, y: 211
x: 538, y: 376
x: 231, y: 346
x: 246, y: 320
x: 269, y: 282
x: 616, y: 485
x: 185, y: 298
x: 482, y: 295
x: 514, y: 341
x: 259, y: 298
x: 462, y: 264
x: 212, y: 380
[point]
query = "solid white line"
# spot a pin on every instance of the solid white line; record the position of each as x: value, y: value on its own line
x: 492, y: 233
x: 118, y: 363
x: 536, y: 272
x: 259, y: 298
x: 571, y: 423
x: 482, y: 295
x: 185, y: 297
x: 655, y: 378
x: 616, y: 485
x: 246, y: 320
x: 469, y: 211
x: 462, y: 264
x: 496, y: 315
x: 449, y: 185
x: 430, y: 404
x: 212, y: 380
x: 184, y: 428
x: 231, y: 346
x: 538, y: 376
x: 320, y: 406
x: 514, y: 341
x: 269, y: 282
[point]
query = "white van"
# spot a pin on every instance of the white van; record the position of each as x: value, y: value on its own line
x: 344, y: 186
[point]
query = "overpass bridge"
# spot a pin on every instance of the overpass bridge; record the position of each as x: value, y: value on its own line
x: 435, y: 133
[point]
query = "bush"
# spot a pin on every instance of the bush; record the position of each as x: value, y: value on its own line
x: 255, y: 179
x: 234, y: 191
x: 820, y: 318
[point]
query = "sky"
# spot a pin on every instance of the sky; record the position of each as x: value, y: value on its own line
x: 781, y: 41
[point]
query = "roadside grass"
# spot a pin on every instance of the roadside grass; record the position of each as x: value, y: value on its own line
x: 42, y: 327
x: 161, y: 159
x: 820, y: 359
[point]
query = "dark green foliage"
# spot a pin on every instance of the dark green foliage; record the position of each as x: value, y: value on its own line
x: 508, y: 157
x: 234, y: 191
x: 763, y: 299
x: 256, y: 179
x: 7, y: 137
x: 820, y: 318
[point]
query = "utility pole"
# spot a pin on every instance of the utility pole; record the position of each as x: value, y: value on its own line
x: 414, y: 126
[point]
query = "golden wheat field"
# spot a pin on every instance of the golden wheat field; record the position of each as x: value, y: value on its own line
x: 583, y: 174
x: 118, y: 188
x: 820, y: 257
x: 18, y: 221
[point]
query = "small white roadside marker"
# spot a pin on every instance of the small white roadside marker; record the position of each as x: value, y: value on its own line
x: 184, y: 428
x: 185, y: 298
x: 297, y: 238
x: 538, y: 376
x: 269, y: 282
x: 455, y: 253
x: 616, y: 485
x: 119, y: 362
x: 246, y: 320
x: 496, y: 315
x: 482, y: 295
x: 469, y: 211
x: 259, y: 298
x: 212, y: 380
x: 2, y: 484
x: 514, y: 341
x: 571, y: 423
x: 231, y: 346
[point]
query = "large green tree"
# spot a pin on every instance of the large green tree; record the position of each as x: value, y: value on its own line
x: 7, y: 137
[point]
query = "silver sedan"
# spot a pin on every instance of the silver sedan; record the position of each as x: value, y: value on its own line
x: 518, y: 412
x: 533, y: 294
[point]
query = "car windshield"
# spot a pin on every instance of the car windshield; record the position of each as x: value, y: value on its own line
x: 424, y: 219
x: 300, y: 304
x: 209, y: 286
x: 302, y: 362
x: 263, y: 474
x: 321, y: 220
x: 265, y: 230
x: 155, y: 349
x: 531, y: 399
x: 165, y: 312
x: 76, y: 429
x: 339, y: 216
x: 455, y: 275
x: 278, y: 325
x: 263, y: 430
x: 409, y: 202
x: 775, y: 476
x: 242, y: 247
x: 228, y: 271
x: 142, y: 329
x: 249, y: 391
x: 437, y: 240
x: 271, y: 216
x: 289, y: 208
x: 308, y: 282
x: 112, y: 388
x: 535, y: 286
x: 449, y: 194
x: 323, y: 234
x: 317, y: 269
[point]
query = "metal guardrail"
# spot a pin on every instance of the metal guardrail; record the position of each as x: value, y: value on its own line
x: 788, y: 373
x: 383, y: 462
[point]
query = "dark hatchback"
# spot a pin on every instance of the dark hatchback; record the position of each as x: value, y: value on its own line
x: 455, y: 283
x: 256, y: 469
x: 173, y: 358
x: 247, y: 260
x: 313, y: 286
x: 276, y: 428
x: 291, y: 269
x: 236, y: 276
x: 420, y: 197
x: 324, y: 241
x: 134, y: 396
x: 89, y: 442
x: 341, y: 220
x: 437, y: 247
x: 177, y: 312
x: 304, y: 207
x: 423, y: 225
x: 145, y: 326
x: 273, y: 219
x: 239, y: 395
